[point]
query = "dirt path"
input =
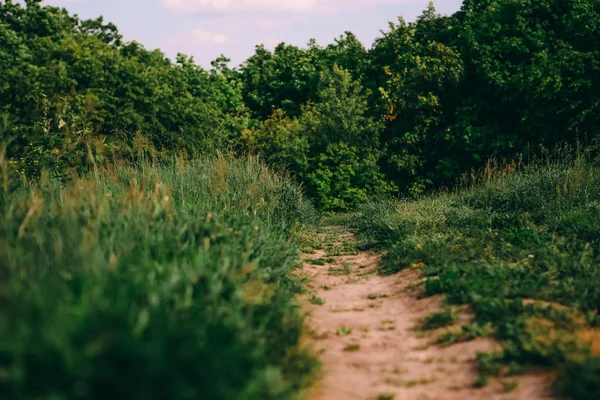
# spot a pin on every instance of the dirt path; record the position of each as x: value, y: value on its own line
x: 364, y: 326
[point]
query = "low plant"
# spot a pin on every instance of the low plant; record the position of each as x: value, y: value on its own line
x: 152, y: 282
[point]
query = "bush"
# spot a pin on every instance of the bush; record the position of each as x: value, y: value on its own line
x: 580, y: 380
x: 332, y: 147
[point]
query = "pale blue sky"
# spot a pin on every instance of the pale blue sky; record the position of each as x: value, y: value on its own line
x: 208, y: 28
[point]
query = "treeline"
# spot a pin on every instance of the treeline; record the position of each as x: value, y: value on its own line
x: 426, y: 102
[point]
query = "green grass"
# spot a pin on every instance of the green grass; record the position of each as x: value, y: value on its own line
x: 152, y: 283
x: 316, y: 300
x: 510, y: 385
x: 345, y: 269
x: 466, y: 333
x: 352, y: 347
x: 439, y: 320
x: 344, y: 331
x: 521, y: 245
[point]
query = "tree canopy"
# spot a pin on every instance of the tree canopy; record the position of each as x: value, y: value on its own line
x: 428, y: 101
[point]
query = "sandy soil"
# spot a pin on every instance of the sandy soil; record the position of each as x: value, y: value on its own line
x: 370, y: 348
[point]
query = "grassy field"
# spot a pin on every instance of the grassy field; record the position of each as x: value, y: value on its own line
x: 520, y: 243
x: 168, y: 282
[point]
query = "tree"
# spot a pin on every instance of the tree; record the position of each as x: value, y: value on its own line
x: 332, y: 146
x: 74, y: 94
x: 286, y: 79
x: 532, y: 72
x: 422, y: 77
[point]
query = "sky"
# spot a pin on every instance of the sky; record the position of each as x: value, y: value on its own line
x: 205, y: 29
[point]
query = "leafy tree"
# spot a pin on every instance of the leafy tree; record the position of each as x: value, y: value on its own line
x: 422, y: 77
x: 531, y: 73
x: 73, y: 93
x: 428, y: 101
x: 290, y: 76
x: 332, y: 146
x: 285, y: 78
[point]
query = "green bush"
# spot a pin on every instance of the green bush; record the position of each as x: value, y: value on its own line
x: 332, y: 147
x: 580, y: 380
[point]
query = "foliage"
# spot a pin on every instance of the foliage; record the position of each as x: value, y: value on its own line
x: 520, y: 243
x: 489, y: 81
x: 439, y: 96
x: 290, y: 76
x: 73, y: 93
x: 422, y: 77
x: 332, y: 146
x: 152, y: 282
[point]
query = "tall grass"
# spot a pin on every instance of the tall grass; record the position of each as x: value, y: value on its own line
x: 520, y: 242
x: 147, y: 282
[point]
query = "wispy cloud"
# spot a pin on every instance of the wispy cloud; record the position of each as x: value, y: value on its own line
x: 199, y: 36
x: 272, y: 6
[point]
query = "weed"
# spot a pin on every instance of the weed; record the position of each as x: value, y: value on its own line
x: 514, y: 368
x: 510, y: 385
x: 449, y: 338
x: 481, y: 380
x: 320, y: 335
x: 489, y: 363
x: 423, y: 346
x: 439, y: 319
x: 314, y: 299
x: 344, y: 331
x: 467, y: 332
x: 413, y: 383
x: 352, y: 347
x: 344, y: 270
x: 387, y: 325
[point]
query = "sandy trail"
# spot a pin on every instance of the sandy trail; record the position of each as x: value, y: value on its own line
x: 371, y: 351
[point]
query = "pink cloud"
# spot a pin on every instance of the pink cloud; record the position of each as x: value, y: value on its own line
x: 271, y: 6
